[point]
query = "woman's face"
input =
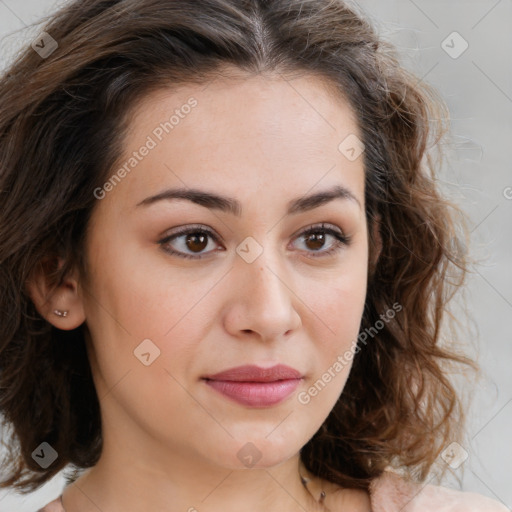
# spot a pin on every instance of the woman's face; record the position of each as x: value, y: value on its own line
x: 244, y: 286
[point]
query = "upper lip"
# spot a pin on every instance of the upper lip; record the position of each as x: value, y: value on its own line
x: 253, y: 373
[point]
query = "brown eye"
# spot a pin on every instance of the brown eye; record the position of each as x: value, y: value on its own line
x: 189, y: 243
x: 317, y: 237
x: 197, y: 242
x: 315, y: 241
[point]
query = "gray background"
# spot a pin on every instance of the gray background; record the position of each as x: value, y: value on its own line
x: 477, y: 86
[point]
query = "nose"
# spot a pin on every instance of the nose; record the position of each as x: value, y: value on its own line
x: 263, y: 301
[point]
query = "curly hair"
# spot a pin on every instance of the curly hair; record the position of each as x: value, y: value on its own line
x: 63, y: 118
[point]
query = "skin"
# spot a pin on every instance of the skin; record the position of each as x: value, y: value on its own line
x: 170, y: 441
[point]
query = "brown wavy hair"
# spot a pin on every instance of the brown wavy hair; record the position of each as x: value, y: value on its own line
x: 63, y: 119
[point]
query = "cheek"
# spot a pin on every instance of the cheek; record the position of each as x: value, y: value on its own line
x: 131, y: 306
x: 337, y: 303
x: 139, y: 295
x: 135, y: 302
x: 334, y: 332
x: 335, y: 320
x: 333, y: 354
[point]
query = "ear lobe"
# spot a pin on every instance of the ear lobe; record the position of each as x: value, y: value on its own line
x: 59, y: 304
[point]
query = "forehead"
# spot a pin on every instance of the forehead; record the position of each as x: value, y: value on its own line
x: 255, y: 103
x: 243, y: 134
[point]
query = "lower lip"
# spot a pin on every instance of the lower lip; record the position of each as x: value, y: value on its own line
x: 256, y: 394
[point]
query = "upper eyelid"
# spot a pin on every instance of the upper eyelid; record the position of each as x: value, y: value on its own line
x: 182, y: 230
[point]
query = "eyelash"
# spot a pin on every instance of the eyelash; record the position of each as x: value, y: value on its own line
x: 341, y: 240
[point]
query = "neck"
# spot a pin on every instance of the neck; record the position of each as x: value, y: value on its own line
x: 189, y: 485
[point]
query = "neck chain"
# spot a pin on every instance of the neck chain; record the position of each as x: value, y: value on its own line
x: 305, y: 481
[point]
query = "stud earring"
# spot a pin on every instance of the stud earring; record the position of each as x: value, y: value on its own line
x: 58, y: 312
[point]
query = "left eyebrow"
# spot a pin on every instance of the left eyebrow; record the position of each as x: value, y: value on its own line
x: 233, y: 206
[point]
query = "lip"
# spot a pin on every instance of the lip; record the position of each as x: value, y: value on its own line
x: 254, y: 386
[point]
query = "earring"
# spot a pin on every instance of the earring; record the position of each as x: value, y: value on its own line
x: 58, y: 312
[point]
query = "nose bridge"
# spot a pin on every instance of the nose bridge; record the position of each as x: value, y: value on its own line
x: 264, y: 290
x: 265, y: 274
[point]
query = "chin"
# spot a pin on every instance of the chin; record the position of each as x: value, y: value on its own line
x: 254, y: 452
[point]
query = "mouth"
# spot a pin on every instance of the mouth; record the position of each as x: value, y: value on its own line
x: 254, y: 386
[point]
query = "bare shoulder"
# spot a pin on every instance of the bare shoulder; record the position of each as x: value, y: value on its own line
x: 459, y: 501
x: 54, y: 506
x: 391, y: 492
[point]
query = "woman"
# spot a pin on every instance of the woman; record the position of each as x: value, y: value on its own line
x: 225, y: 263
